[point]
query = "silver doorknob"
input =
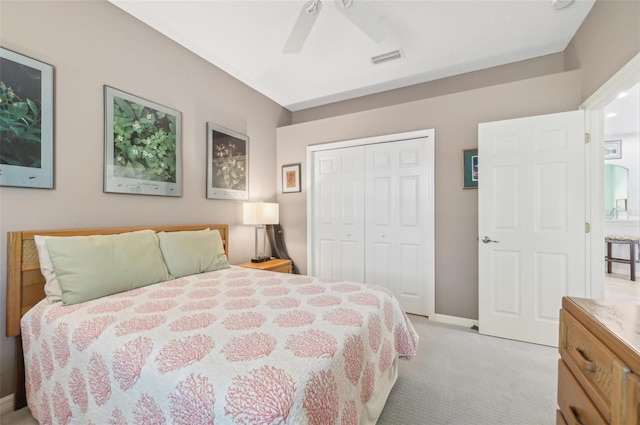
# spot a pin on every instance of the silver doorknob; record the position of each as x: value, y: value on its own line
x: 487, y: 239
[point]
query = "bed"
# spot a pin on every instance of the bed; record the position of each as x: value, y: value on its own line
x: 226, y: 345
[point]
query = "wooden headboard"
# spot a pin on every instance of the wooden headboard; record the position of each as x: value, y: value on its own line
x: 25, y: 283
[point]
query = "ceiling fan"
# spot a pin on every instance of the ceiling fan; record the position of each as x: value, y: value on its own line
x: 358, y: 12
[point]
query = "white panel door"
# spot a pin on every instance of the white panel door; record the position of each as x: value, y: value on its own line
x: 399, y: 237
x: 338, y: 214
x: 531, y: 223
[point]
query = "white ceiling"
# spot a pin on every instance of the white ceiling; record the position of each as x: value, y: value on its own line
x: 438, y: 38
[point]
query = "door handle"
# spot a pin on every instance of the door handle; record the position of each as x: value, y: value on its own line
x: 576, y: 416
x: 487, y: 239
x: 581, y: 360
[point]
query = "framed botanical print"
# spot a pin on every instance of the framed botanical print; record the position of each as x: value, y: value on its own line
x: 26, y: 121
x: 227, y: 164
x: 143, y: 146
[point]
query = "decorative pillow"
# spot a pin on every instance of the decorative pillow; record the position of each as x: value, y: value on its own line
x: 51, y: 287
x: 89, y: 267
x: 192, y: 251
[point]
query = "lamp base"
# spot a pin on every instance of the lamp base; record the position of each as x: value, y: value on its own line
x: 260, y: 259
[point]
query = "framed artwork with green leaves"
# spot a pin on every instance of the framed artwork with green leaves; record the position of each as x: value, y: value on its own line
x: 227, y: 164
x: 26, y: 121
x: 143, y: 146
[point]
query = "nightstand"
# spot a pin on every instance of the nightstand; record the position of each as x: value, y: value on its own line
x: 273, y: 265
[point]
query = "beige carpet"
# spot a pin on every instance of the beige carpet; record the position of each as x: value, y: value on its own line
x: 464, y: 378
x: 460, y: 378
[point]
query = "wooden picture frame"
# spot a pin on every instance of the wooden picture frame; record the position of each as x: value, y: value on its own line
x: 291, y: 179
x: 143, y: 146
x: 26, y: 118
x: 227, y: 164
x: 470, y: 168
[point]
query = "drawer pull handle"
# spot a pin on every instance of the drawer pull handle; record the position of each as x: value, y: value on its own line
x: 576, y: 416
x: 579, y: 358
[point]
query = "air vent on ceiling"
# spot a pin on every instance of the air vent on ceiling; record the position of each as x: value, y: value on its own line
x: 386, y: 57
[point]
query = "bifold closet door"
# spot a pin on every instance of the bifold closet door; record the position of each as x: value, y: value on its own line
x: 338, y: 214
x: 372, y: 218
x: 397, y: 242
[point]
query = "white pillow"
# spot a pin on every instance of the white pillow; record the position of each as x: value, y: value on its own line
x: 51, y: 287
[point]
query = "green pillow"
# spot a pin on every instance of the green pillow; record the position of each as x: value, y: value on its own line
x: 192, y: 251
x: 89, y: 267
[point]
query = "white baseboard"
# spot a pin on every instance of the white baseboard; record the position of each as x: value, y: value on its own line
x: 6, y: 404
x: 453, y: 320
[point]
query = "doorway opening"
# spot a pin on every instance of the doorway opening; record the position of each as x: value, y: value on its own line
x: 622, y: 190
x: 602, y: 127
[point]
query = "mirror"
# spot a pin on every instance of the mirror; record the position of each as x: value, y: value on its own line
x: 616, y: 178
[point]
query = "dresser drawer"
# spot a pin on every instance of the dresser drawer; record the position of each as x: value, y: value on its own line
x: 560, y: 419
x: 574, y: 402
x: 589, y: 360
x: 282, y: 269
x: 632, y: 402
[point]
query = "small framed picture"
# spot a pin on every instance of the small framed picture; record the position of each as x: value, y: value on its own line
x: 26, y: 121
x: 613, y: 149
x: 291, y: 178
x: 470, y: 167
x: 143, y: 146
x: 227, y: 164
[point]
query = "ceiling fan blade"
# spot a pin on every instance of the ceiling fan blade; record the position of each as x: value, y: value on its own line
x: 365, y: 18
x: 302, y: 27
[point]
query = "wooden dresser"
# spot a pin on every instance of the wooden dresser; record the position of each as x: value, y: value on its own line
x: 599, y: 368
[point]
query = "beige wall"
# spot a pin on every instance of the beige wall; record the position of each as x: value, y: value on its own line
x: 455, y: 118
x: 543, y: 65
x: 608, y: 39
x: 94, y: 43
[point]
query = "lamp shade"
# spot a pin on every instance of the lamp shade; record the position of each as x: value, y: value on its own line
x: 258, y: 213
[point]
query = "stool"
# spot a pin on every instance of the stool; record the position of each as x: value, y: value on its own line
x: 632, y: 241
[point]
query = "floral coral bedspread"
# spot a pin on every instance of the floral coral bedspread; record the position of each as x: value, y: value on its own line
x: 235, y: 346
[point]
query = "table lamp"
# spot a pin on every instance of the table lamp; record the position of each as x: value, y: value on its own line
x: 260, y: 214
